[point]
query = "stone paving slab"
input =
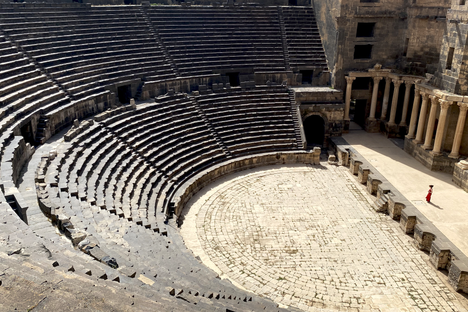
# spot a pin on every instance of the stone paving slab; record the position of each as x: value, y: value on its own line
x: 448, y: 208
x: 308, y: 237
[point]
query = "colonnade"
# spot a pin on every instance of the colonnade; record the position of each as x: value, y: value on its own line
x: 426, y: 100
x: 397, y: 82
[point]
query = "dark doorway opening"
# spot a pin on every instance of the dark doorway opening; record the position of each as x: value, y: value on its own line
x: 307, y: 76
x: 234, y: 80
x: 314, y: 128
x: 292, y: 2
x: 360, y: 112
x: 125, y: 94
x: 129, y: 2
x: 27, y: 133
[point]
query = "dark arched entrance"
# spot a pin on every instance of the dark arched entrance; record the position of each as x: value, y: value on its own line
x: 314, y: 128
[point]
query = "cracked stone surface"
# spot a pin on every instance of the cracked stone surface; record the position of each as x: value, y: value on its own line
x: 308, y: 237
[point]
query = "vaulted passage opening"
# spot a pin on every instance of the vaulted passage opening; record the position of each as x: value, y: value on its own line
x: 307, y: 76
x: 234, y: 80
x: 124, y: 93
x: 314, y: 128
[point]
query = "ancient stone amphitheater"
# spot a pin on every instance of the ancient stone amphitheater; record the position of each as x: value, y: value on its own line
x: 114, y: 117
x: 111, y: 181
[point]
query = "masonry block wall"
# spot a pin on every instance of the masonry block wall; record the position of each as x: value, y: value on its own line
x: 412, y: 46
x: 426, y: 26
x: 326, y: 13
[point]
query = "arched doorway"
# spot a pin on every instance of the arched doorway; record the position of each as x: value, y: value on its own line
x: 314, y: 128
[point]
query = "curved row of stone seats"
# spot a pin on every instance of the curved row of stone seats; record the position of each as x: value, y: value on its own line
x: 172, y: 136
x: 303, y: 38
x: 41, y: 274
x: 24, y: 92
x: 88, y: 51
x: 169, y: 268
x: 203, y: 40
x: 249, y: 121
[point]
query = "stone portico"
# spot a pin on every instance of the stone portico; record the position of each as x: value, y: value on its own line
x: 432, y: 121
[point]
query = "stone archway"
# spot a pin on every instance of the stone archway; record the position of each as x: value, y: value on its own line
x: 314, y: 129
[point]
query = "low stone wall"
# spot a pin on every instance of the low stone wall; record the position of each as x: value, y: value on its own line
x: 443, y: 253
x: 428, y: 159
x: 196, y: 183
x: 183, y: 85
x: 460, y: 175
x: 64, y: 116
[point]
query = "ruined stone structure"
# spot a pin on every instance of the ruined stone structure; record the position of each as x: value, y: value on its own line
x: 113, y: 117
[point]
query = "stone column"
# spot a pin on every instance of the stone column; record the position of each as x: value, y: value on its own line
x: 422, y: 118
x: 386, y: 96
x: 459, y: 131
x: 349, y: 88
x: 375, y: 92
x: 414, y: 113
x: 408, y: 85
x: 396, y: 92
x: 444, y: 105
x: 431, y: 122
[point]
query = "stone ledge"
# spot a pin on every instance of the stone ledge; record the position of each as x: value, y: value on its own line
x: 443, y: 253
x: 188, y: 189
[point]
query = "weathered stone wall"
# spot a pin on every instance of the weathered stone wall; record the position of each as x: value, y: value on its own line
x: 426, y: 26
x: 326, y: 13
x: 183, y: 85
x: 453, y: 78
x: 385, y: 48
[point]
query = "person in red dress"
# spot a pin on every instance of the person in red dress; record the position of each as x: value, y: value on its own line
x: 429, y: 194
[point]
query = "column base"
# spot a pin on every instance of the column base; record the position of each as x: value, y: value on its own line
x: 346, y: 125
x: 427, y: 147
x: 429, y: 159
x: 454, y: 156
x: 409, y: 137
x: 372, y: 125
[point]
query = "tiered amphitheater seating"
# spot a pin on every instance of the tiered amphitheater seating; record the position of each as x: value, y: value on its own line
x: 85, y: 49
x: 93, y: 180
x: 203, y: 40
x: 257, y: 120
x: 303, y: 39
x: 114, y: 176
x: 171, y: 135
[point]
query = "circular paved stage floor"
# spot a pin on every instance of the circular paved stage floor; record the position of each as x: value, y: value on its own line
x: 308, y: 237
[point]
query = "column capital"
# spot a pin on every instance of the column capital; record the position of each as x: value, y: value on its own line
x: 377, y: 79
x: 425, y: 95
x: 350, y: 79
x: 409, y: 83
x: 397, y: 82
x: 445, y: 104
x: 434, y: 99
x: 463, y: 106
x: 388, y: 79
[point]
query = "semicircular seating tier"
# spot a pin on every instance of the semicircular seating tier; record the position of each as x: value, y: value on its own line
x: 132, y: 162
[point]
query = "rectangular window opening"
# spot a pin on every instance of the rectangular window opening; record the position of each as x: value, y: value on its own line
x: 365, y: 30
x: 363, y: 52
x: 462, y: 2
x: 450, y: 58
x: 369, y: 1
